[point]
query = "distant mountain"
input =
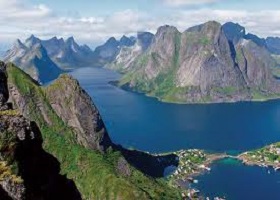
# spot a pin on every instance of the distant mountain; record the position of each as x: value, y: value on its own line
x: 128, y: 53
x: 206, y: 63
x: 108, y: 52
x: 273, y: 45
x: 236, y: 32
x: 33, y: 58
x: 68, y: 54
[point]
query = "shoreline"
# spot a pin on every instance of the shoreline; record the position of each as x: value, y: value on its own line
x: 129, y: 89
x: 194, y: 162
x: 249, y: 162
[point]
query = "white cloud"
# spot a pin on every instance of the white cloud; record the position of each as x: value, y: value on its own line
x: 263, y: 23
x: 17, y: 10
x: 188, y: 2
x: 19, y: 20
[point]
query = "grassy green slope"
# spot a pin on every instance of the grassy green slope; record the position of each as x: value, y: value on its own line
x: 95, y: 174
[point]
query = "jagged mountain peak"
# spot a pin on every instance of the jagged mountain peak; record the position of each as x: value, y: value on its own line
x: 70, y: 40
x: 55, y: 39
x: 126, y: 41
x: 18, y: 44
x: 112, y: 41
x: 32, y: 40
x: 144, y: 39
x: 124, y: 38
x: 202, y: 65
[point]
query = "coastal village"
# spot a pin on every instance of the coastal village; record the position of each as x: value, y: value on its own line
x: 192, y: 163
x: 266, y: 157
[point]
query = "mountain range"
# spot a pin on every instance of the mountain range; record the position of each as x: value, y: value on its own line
x: 206, y: 63
x: 32, y: 57
x: 44, y: 60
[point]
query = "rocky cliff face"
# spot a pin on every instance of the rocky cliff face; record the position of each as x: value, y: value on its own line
x: 203, y: 64
x: 26, y: 170
x: 75, y: 107
x: 64, y: 99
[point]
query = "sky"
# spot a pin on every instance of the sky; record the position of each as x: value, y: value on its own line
x: 93, y: 21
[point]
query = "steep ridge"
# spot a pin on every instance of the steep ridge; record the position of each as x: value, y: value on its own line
x: 203, y: 64
x: 26, y: 170
x: 102, y: 174
x: 74, y: 106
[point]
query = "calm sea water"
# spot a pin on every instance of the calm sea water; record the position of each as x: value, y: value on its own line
x: 134, y: 120
x: 233, y: 180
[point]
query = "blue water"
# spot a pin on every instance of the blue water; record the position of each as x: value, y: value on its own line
x: 238, y: 182
x: 134, y: 120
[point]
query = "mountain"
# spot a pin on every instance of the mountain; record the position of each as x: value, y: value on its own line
x: 60, y: 149
x: 108, y: 52
x: 273, y: 45
x: 205, y: 63
x: 68, y: 54
x: 235, y: 32
x: 49, y: 57
x: 128, y: 53
x: 32, y: 57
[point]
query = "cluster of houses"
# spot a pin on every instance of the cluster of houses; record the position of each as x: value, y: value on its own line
x: 269, y: 156
x: 190, y: 162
